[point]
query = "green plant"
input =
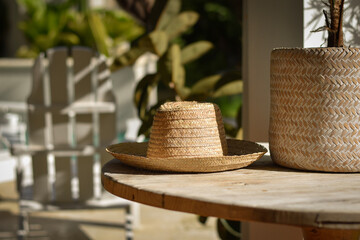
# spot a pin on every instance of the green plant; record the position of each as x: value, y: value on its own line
x: 71, y: 23
x: 170, y: 77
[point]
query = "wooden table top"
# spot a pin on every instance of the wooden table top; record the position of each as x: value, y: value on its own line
x: 262, y: 192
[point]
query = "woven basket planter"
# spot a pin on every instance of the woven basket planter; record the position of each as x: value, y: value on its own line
x: 315, y: 109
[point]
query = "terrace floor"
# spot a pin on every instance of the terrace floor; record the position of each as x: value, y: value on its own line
x: 155, y: 223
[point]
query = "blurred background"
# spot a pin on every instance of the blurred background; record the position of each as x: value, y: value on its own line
x: 207, y: 32
x: 147, y: 43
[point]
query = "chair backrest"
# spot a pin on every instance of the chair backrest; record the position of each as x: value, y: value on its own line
x: 71, y: 106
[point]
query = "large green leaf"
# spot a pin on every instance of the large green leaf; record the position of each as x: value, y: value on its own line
x: 45, y: 41
x: 231, y: 88
x: 205, y: 85
x: 172, y: 72
x: 177, y: 71
x: 53, y: 22
x: 119, y: 25
x: 182, y: 91
x: 203, y: 88
x: 172, y: 8
x: 216, y: 86
x: 181, y: 23
x: 155, y: 42
x: 166, y: 62
x: 194, y: 51
x: 99, y: 32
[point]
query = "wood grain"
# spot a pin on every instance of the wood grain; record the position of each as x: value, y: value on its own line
x: 325, y: 234
x: 262, y: 192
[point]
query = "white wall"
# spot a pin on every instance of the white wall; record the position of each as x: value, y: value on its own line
x: 267, y: 25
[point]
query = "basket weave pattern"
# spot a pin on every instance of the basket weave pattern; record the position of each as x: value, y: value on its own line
x: 315, y: 109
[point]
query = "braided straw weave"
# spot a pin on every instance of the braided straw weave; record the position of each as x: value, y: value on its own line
x: 315, y: 109
x: 184, y: 136
x: 188, y: 137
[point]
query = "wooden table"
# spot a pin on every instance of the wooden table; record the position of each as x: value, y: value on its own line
x: 324, y: 205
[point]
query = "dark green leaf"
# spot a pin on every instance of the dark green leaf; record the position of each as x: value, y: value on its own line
x: 142, y: 92
x: 230, y: 130
x: 69, y: 38
x: 239, y: 117
x: 164, y: 67
x: 142, y: 85
x: 145, y: 128
x: 148, y: 120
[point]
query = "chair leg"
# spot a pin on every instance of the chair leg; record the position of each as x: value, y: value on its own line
x: 24, y: 229
x: 128, y: 224
x: 19, y: 176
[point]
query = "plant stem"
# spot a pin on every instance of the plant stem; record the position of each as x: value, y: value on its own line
x: 335, y: 30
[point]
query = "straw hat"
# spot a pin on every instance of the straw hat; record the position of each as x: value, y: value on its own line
x: 188, y: 137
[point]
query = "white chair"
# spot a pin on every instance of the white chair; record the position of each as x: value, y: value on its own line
x: 71, y: 118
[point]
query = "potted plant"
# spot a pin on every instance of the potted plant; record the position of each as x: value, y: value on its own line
x: 315, y: 100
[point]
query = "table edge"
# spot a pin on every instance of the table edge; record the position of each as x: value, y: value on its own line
x: 220, y: 210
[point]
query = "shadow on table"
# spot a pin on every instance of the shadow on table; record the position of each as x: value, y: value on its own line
x: 265, y: 163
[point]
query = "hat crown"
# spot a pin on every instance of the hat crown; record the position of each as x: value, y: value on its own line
x: 187, y: 130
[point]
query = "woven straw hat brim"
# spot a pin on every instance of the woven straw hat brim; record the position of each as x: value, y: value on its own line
x: 240, y: 154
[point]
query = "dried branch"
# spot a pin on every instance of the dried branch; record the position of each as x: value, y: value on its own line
x: 335, y: 37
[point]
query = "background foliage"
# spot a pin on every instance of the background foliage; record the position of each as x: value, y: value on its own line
x: 70, y: 23
x: 184, y: 71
